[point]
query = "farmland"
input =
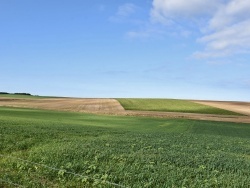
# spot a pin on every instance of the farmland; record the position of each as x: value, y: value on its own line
x: 171, y: 105
x: 89, y: 150
x: 236, y: 112
x: 62, y: 104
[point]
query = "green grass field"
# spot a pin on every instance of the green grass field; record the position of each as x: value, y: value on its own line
x: 171, y: 105
x: 128, y: 151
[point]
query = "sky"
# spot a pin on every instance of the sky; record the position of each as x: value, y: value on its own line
x: 134, y: 49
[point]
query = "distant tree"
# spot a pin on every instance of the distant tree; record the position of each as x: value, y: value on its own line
x: 4, y: 93
x: 22, y: 93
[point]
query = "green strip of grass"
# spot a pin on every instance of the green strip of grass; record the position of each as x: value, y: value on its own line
x: 131, y: 151
x: 171, y: 105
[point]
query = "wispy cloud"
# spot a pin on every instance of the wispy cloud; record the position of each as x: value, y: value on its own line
x: 151, y: 28
x: 126, y: 9
x: 229, y: 40
x: 124, y: 12
x: 224, y: 25
x: 145, y: 31
x: 170, y: 11
x: 131, y: 13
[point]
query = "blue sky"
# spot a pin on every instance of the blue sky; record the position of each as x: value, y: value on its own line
x: 160, y: 49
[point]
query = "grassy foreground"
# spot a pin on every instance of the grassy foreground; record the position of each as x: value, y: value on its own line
x: 171, y: 105
x: 128, y: 151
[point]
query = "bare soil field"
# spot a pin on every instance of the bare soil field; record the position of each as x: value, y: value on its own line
x: 65, y: 104
x: 113, y: 107
x: 239, y: 107
x: 209, y: 117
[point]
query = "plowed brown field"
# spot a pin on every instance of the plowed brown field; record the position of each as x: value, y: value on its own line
x: 65, y: 104
x: 239, y: 107
x: 113, y: 107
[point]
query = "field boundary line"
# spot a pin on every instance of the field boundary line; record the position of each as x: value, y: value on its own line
x: 66, y: 172
x: 10, y: 182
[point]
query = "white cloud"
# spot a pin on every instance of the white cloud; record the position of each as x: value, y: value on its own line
x: 228, y: 40
x: 166, y: 11
x: 226, y: 23
x: 233, y: 11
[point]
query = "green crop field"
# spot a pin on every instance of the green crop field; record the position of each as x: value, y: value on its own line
x: 171, y: 105
x: 41, y: 148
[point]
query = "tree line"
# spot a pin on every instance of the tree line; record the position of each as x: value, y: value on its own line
x: 6, y: 93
